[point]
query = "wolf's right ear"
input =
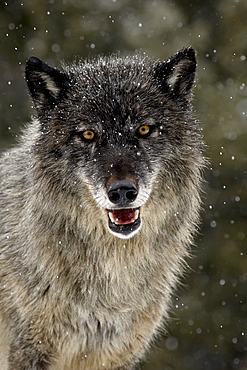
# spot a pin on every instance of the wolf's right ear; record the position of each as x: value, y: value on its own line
x: 46, y: 84
x: 176, y: 75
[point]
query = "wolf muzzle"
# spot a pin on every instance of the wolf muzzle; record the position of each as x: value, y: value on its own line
x: 124, y: 221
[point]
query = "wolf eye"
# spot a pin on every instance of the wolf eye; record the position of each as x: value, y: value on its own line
x: 88, y: 135
x: 144, y: 130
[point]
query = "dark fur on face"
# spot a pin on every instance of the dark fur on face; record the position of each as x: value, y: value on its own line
x: 114, y: 153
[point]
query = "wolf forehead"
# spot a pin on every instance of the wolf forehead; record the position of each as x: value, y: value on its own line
x: 113, y: 85
x: 111, y: 73
x: 112, y: 88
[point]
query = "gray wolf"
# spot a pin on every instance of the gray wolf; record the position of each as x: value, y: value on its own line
x: 99, y: 204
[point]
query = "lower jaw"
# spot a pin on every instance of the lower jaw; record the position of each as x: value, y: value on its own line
x: 125, y: 231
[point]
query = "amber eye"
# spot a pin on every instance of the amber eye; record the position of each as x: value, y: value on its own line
x: 88, y: 134
x: 144, y: 130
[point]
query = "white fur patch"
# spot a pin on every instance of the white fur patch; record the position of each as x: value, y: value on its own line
x: 177, y: 72
x: 50, y: 85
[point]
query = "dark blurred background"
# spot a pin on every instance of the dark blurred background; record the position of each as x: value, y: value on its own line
x: 208, y: 327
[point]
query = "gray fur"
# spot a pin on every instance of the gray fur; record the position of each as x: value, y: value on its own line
x: 74, y: 295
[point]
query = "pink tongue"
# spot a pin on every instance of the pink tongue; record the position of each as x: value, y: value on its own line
x: 123, y: 216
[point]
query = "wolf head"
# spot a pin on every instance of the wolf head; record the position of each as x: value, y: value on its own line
x: 120, y: 127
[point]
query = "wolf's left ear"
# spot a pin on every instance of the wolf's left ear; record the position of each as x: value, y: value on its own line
x: 176, y: 75
x: 46, y: 84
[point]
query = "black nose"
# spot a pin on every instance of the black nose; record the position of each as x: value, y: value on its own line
x: 122, y: 192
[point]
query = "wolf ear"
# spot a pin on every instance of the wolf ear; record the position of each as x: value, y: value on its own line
x: 46, y: 84
x: 176, y: 75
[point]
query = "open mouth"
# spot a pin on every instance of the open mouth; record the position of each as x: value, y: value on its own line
x: 124, y: 222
